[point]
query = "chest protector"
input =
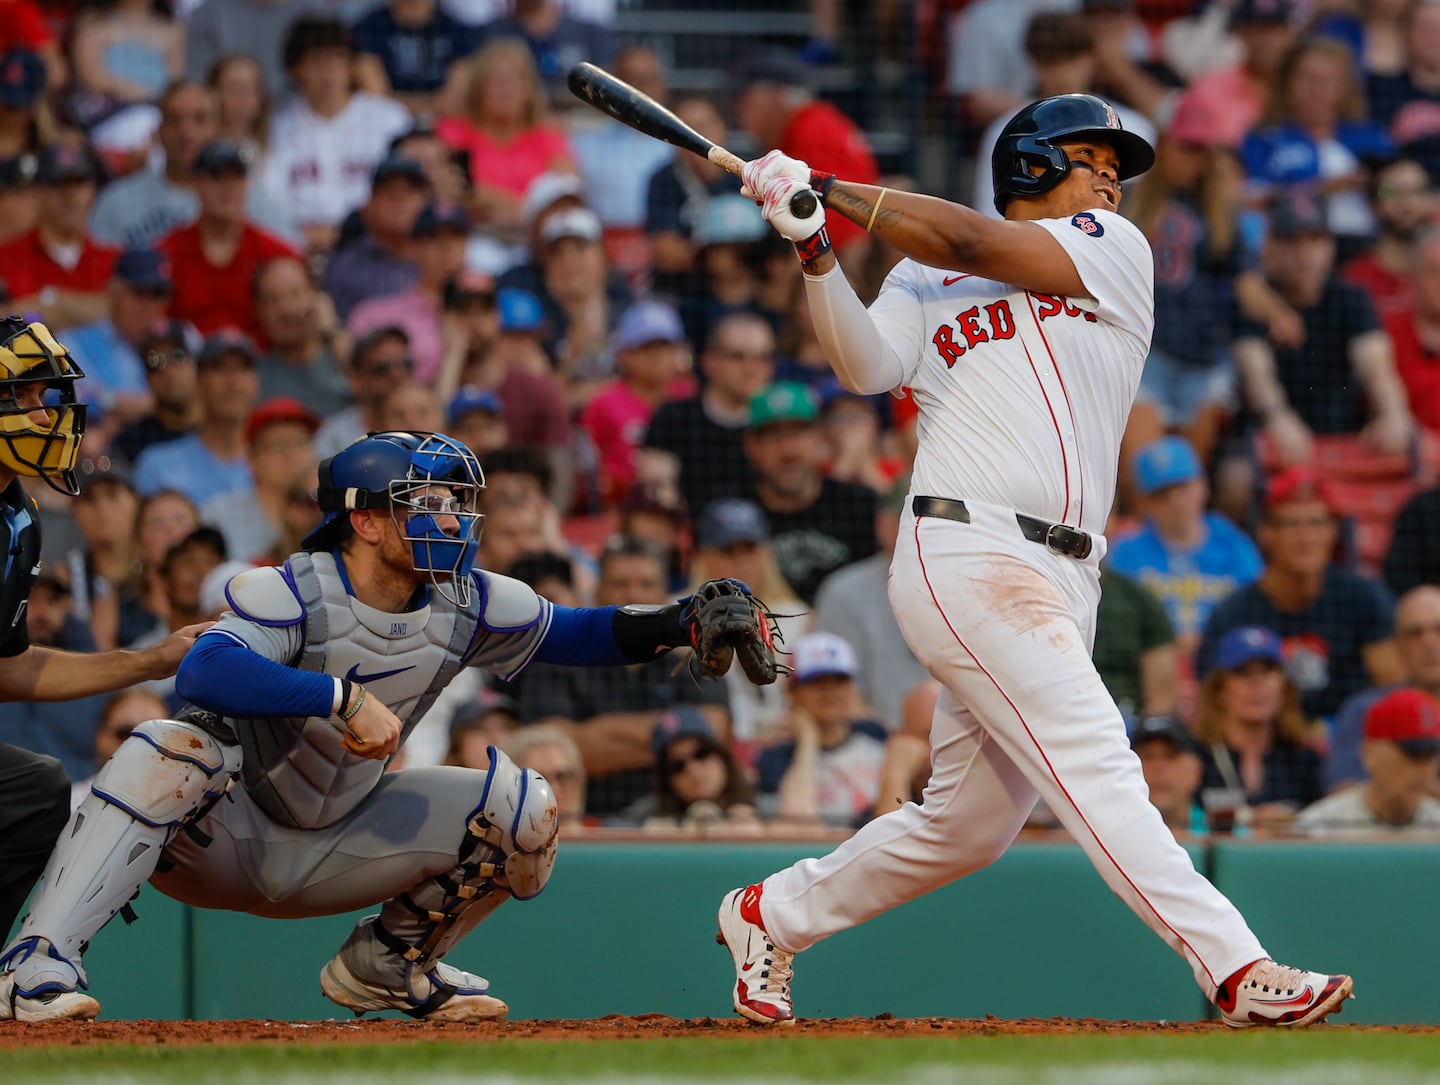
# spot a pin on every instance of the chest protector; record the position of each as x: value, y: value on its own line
x: 296, y: 769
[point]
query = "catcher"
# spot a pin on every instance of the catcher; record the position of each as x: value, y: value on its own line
x: 269, y: 793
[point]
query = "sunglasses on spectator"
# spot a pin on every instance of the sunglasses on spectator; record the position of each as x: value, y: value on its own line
x: 381, y: 366
x: 157, y: 360
x: 674, y: 766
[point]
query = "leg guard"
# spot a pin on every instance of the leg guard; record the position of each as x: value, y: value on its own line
x: 158, y: 778
x: 508, y: 850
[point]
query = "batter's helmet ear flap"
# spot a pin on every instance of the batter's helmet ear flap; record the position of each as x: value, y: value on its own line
x: 1030, y: 143
x: 29, y: 356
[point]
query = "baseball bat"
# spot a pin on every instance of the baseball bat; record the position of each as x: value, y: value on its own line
x: 630, y: 107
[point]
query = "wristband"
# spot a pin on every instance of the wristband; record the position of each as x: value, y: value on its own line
x: 348, y: 714
x: 814, y: 246
x: 820, y: 183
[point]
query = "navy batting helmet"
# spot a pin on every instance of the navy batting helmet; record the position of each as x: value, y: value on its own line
x: 419, y: 477
x: 1033, y: 136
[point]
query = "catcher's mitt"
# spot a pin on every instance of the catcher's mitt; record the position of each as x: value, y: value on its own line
x: 723, y: 620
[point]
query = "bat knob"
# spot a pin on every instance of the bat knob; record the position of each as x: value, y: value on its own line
x: 802, y: 204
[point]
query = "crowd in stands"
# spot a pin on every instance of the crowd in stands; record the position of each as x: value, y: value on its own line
x: 266, y: 227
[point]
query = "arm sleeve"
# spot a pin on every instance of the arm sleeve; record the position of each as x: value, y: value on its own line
x: 609, y: 636
x: 851, y: 335
x: 225, y: 675
x: 1115, y: 264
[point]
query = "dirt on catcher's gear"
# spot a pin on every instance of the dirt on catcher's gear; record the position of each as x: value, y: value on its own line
x: 724, y: 621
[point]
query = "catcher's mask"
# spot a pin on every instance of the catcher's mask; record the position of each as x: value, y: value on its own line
x: 423, y: 479
x: 1033, y: 137
x: 30, y: 355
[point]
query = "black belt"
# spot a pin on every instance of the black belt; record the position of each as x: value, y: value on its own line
x: 1057, y: 537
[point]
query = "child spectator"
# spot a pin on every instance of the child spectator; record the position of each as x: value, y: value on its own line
x: 1170, y: 758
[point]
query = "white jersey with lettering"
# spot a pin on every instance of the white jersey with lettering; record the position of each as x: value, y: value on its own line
x: 1023, y: 397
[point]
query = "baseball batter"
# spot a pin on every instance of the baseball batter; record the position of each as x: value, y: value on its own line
x: 302, y: 693
x: 1022, y: 342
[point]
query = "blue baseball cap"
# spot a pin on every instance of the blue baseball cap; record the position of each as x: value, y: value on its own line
x: 469, y: 399
x: 729, y: 521
x: 818, y: 655
x: 1247, y: 644
x: 441, y: 217
x: 647, y: 322
x: 1164, y: 463
x: 520, y: 311
x: 144, y: 269
x: 22, y: 78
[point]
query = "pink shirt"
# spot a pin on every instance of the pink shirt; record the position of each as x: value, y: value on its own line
x: 509, y: 165
x: 1231, y: 100
x: 417, y: 313
x: 616, y: 420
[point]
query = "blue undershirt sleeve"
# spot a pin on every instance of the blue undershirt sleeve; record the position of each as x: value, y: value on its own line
x: 582, y: 637
x: 223, y: 675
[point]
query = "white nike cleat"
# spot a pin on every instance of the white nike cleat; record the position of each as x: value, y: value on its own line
x: 441, y: 994
x: 1271, y: 994
x: 41, y: 985
x: 762, y: 973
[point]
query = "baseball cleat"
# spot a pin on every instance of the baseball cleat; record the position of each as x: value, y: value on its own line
x: 441, y: 994
x: 762, y: 973
x: 41, y: 985
x: 1267, y: 993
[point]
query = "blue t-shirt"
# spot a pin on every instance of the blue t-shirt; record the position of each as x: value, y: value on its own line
x: 109, y: 362
x: 1285, y: 154
x: 185, y: 464
x: 1189, y: 583
x: 1324, y: 643
x: 1195, y: 309
x: 416, y: 58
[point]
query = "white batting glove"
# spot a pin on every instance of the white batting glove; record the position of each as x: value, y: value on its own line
x: 776, y: 209
x: 767, y: 167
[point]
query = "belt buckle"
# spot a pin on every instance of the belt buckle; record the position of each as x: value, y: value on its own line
x: 1063, y: 539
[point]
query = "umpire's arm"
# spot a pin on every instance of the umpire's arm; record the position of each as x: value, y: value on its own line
x: 38, y: 673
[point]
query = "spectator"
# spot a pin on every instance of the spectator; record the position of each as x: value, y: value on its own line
x: 182, y: 572
x: 1234, y: 98
x: 658, y: 513
x: 254, y: 28
x: 1188, y: 558
x: 1250, y: 721
x: 212, y: 460
x: 120, y: 714
x: 987, y: 69
x: 1135, y: 650
x: 22, y: 93
x: 1376, y: 31
x: 698, y: 783
x: 731, y: 241
x: 469, y: 325
x: 677, y: 194
x: 582, y: 298
x: 164, y: 518
x: 379, y: 363
x: 1400, y: 753
x: 1171, y: 760
x: 439, y: 237
x: 1415, y: 334
x: 443, y: 168
x: 1343, y: 371
x: 1316, y: 137
x: 410, y: 50
x: 513, y: 529
x: 142, y: 207
x: 414, y: 408
x: 696, y: 443
x: 476, y: 419
x: 1335, y: 623
x: 558, y: 40
x: 853, y: 433
x: 167, y: 353
x: 817, y: 524
x: 651, y: 356
x: 853, y: 602
x: 1405, y: 103
x: 732, y: 540
x: 214, y: 259
x: 553, y: 754
x: 63, y: 730
x: 19, y: 195
x: 550, y: 575
x: 298, y: 322
x: 279, y: 436
x: 325, y: 144
x: 830, y: 771
x: 504, y: 133
x: 125, y: 54
x: 1404, y: 204
x: 775, y: 108
x: 379, y: 261
x: 487, y: 719
x: 299, y: 515
x: 610, y: 711
x: 1124, y: 72
x: 139, y: 290
x: 244, y: 103
x: 1417, y: 641
x: 105, y: 511
x: 57, y: 269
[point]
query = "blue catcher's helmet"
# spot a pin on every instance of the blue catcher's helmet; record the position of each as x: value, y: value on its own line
x: 1033, y: 136
x: 402, y: 471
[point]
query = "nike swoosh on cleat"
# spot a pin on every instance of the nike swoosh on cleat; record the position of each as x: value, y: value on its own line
x: 355, y: 676
x: 1299, y: 1000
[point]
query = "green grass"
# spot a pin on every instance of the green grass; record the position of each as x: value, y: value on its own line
x: 1338, y: 1057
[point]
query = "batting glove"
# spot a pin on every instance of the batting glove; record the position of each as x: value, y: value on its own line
x: 809, y: 234
x: 763, y: 170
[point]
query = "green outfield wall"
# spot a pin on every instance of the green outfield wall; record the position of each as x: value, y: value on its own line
x: 629, y: 928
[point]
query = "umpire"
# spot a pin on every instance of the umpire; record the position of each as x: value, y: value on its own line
x: 40, y: 430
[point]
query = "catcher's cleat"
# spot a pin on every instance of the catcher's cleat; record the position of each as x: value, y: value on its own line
x: 41, y: 985
x: 1267, y: 993
x: 762, y: 972
x: 440, y: 994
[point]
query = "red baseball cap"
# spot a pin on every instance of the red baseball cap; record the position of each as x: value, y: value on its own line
x: 1294, y: 485
x: 279, y: 409
x: 1410, y: 718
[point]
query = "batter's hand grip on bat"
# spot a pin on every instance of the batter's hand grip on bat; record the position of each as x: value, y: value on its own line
x: 635, y: 109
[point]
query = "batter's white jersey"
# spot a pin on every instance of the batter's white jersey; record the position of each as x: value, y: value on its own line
x: 1024, y: 397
